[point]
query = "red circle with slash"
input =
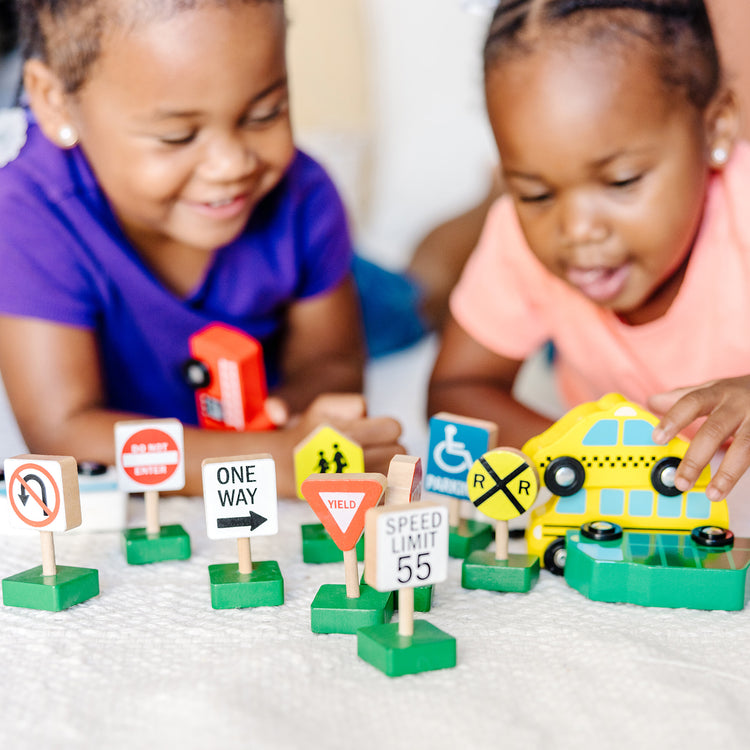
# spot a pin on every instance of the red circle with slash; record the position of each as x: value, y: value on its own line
x: 150, y: 456
x: 34, y: 496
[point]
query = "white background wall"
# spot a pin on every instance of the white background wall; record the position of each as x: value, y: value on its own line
x: 423, y: 150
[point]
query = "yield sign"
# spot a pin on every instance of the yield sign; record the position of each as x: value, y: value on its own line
x: 340, y: 501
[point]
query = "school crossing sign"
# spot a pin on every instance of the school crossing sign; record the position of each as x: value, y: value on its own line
x: 239, y: 495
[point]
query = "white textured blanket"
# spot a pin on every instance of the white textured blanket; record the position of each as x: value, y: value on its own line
x: 149, y: 663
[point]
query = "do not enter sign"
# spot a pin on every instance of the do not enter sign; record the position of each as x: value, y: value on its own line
x: 150, y: 455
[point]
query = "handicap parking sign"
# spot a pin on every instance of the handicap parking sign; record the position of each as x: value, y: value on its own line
x: 455, y: 444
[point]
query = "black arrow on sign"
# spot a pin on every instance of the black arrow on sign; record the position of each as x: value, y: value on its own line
x: 253, y: 521
x: 24, y: 496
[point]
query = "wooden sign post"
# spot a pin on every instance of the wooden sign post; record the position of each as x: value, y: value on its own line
x: 406, y: 546
x: 151, y: 458
x: 405, y: 482
x: 340, y: 502
x: 502, y: 484
x: 239, y: 495
x: 325, y: 451
x: 455, y: 443
x: 43, y: 495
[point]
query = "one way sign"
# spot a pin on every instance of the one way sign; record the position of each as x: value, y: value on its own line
x: 239, y: 495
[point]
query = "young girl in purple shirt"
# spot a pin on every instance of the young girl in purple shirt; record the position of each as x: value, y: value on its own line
x: 157, y: 190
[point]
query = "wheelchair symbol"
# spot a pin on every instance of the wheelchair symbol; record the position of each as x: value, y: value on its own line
x: 461, y: 461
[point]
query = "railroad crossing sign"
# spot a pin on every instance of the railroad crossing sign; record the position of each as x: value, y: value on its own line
x: 239, y: 494
x: 341, y: 501
x: 150, y: 455
x: 406, y: 545
x: 43, y: 492
x: 503, y: 483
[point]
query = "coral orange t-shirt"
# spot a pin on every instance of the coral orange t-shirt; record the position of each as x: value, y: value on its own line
x: 508, y: 302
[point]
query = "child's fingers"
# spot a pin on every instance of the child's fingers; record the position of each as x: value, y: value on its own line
x: 714, y: 432
x: 378, y: 457
x: 277, y: 411
x: 661, y: 403
x: 734, y: 464
x: 374, y: 431
x: 338, y: 407
x: 687, y: 404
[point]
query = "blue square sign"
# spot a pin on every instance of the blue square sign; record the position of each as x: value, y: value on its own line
x: 454, y: 446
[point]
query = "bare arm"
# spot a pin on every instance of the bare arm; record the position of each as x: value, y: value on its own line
x: 472, y: 381
x: 323, y: 350
x: 57, y: 394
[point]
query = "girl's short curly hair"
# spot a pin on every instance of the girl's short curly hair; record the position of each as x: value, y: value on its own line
x: 678, y: 31
x: 67, y: 34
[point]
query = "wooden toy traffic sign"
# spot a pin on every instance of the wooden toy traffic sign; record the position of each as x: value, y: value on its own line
x: 43, y: 492
x: 406, y: 545
x: 405, y: 478
x: 341, y: 503
x: 503, y: 483
x: 150, y: 459
x: 326, y: 451
x: 455, y: 443
x: 240, y: 496
x: 150, y: 455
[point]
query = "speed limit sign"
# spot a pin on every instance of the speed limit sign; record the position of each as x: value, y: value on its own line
x: 406, y: 545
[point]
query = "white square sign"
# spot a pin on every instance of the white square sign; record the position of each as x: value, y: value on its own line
x: 150, y: 455
x: 43, y: 492
x: 239, y: 495
x: 406, y: 545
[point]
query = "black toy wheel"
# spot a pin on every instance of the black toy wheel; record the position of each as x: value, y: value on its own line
x: 564, y: 476
x: 601, y: 531
x: 662, y: 476
x: 554, y: 556
x: 712, y: 536
x: 196, y: 374
x: 91, y: 469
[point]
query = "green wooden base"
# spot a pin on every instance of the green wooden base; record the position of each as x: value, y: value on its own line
x: 230, y: 589
x: 422, y: 599
x: 429, y: 648
x: 33, y: 590
x: 318, y: 547
x: 171, y: 543
x: 518, y: 573
x: 332, y: 611
x: 478, y: 535
x: 659, y: 570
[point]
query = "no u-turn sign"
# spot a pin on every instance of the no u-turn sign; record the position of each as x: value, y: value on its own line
x: 43, y: 492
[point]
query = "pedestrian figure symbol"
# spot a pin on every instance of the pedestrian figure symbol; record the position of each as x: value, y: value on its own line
x: 338, y: 460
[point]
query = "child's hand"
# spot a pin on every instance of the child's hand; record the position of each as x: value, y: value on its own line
x: 726, y: 406
x: 378, y: 436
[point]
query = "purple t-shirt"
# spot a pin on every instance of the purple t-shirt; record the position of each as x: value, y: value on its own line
x: 64, y: 258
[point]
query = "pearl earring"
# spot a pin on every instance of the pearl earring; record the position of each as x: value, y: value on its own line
x: 719, y: 156
x: 68, y: 136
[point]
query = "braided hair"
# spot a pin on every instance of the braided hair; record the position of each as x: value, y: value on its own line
x: 679, y: 32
